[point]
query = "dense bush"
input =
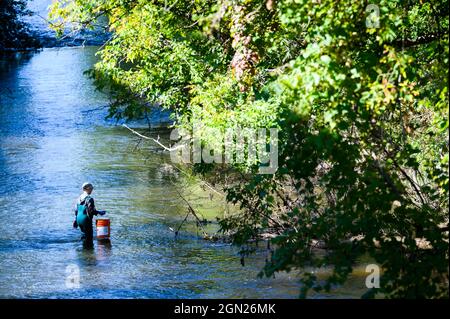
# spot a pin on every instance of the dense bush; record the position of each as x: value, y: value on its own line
x: 14, y: 33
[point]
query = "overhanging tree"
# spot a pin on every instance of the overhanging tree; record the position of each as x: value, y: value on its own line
x: 14, y: 33
x: 361, y: 103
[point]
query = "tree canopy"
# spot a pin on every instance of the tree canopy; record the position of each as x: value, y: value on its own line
x: 14, y: 33
x: 358, y: 92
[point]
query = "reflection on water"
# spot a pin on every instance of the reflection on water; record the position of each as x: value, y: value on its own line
x: 54, y: 137
x: 103, y: 251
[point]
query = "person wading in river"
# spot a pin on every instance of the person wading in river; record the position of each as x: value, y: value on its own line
x: 84, y: 212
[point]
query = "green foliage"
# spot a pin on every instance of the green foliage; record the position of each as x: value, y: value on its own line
x: 362, y: 114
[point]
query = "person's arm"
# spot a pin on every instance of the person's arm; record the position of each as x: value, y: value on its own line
x: 92, y: 211
x: 75, y: 224
x: 91, y: 208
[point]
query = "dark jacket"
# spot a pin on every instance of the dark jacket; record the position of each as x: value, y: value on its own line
x: 91, y: 211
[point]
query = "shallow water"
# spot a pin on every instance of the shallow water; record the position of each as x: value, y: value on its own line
x: 53, y: 137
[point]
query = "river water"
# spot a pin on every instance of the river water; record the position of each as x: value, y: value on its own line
x: 53, y: 137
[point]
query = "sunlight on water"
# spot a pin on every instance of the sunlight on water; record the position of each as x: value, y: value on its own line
x: 54, y: 137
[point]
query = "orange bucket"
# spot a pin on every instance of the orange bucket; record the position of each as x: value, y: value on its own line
x: 103, y: 228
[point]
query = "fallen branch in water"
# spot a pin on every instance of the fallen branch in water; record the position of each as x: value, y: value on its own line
x: 170, y: 149
x: 181, y: 224
x: 94, y: 109
x: 201, y: 181
x: 192, y: 211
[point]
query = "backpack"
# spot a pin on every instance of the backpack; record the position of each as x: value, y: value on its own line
x: 82, y: 209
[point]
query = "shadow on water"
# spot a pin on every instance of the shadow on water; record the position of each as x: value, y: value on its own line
x: 11, y: 60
